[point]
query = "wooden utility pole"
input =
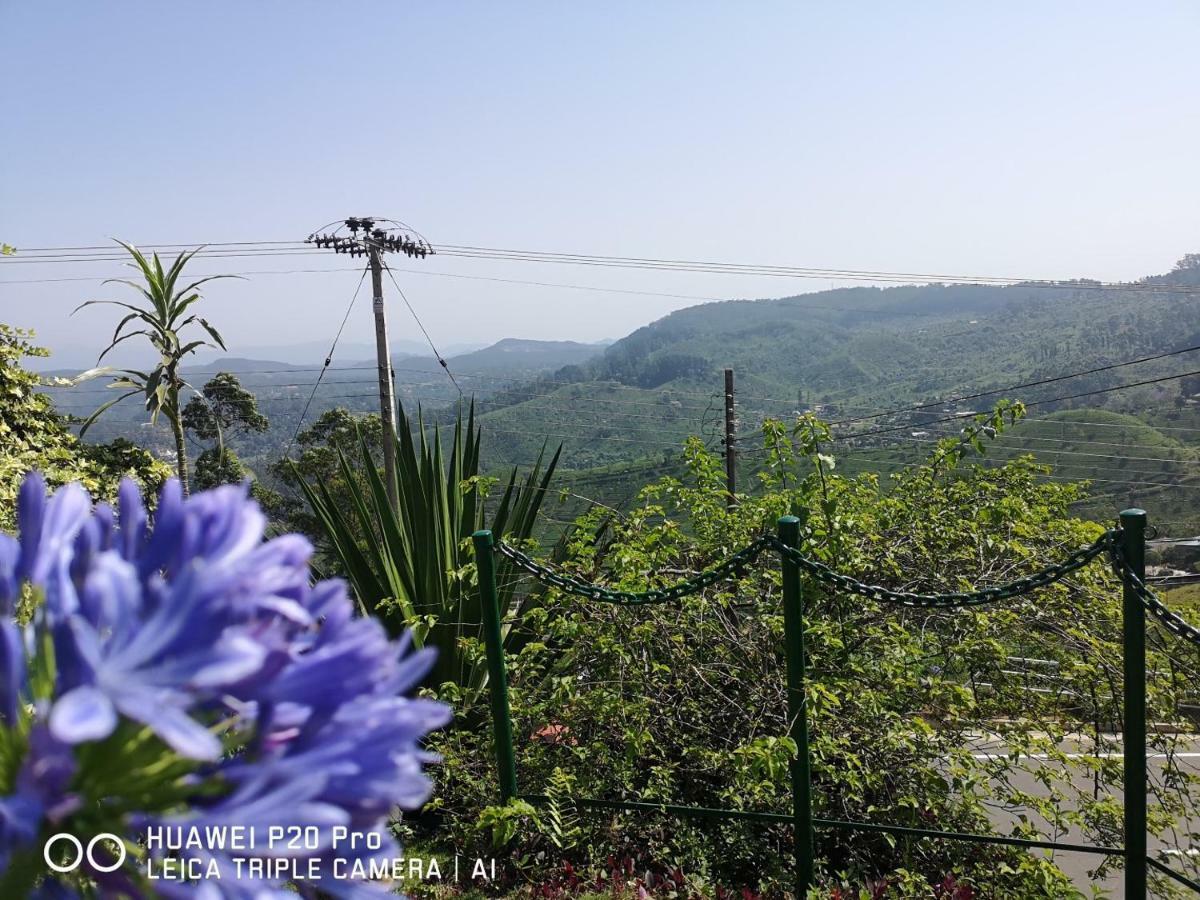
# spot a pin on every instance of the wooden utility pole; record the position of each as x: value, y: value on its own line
x: 730, y: 443
x: 387, y: 395
x: 365, y: 238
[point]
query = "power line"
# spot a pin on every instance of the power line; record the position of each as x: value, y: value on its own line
x: 1132, y: 484
x: 1130, y: 425
x: 69, y: 393
x: 903, y: 445
x: 546, y: 284
x: 507, y: 379
x: 284, y: 248
x: 106, y: 277
x: 1075, y: 479
x: 1020, y: 451
x: 325, y: 368
x: 1015, y: 435
x: 1068, y: 478
x: 576, y: 436
x: 494, y: 430
x: 1016, y: 387
x: 961, y: 416
x: 441, y: 360
x: 186, y: 246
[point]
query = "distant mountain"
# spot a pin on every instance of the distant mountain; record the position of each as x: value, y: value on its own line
x: 75, y: 357
x: 313, y: 352
x: 514, y: 355
x: 237, y: 364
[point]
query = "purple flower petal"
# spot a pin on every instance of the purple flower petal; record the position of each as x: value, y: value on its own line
x: 181, y: 732
x: 84, y: 714
x: 12, y: 671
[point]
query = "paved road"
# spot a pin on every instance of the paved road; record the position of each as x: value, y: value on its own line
x: 1077, y: 865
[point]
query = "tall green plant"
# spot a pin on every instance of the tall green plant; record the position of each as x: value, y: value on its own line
x: 412, y: 566
x: 163, y: 318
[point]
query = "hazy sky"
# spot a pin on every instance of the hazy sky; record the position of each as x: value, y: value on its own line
x: 1019, y: 138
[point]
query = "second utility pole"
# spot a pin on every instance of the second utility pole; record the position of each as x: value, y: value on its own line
x: 730, y: 443
x: 387, y: 396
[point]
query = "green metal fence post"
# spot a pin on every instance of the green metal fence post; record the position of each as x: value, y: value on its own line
x: 1133, y: 548
x: 793, y: 627
x: 506, y: 763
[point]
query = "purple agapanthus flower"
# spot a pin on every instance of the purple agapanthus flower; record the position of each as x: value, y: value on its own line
x: 282, y: 707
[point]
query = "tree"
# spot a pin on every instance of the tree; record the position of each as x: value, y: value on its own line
x: 34, y: 437
x: 335, y: 431
x: 216, y: 467
x: 223, y: 407
x: 163, y: 316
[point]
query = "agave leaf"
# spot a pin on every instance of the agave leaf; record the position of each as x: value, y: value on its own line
x: 358, y: 568
x: 417, y: 555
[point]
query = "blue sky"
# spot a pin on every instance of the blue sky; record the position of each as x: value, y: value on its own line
x: 1022, y: 138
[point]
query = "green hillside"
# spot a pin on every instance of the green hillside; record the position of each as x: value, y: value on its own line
x: 852, y: 353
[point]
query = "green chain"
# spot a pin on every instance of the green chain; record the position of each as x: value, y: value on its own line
x: 739, y: 561
x: 1171, y: 621
x: 1046, y: 576
x: 735, y: 564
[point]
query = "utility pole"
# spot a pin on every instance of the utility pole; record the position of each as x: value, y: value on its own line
x: 730, y: 443
x: 387, y: 391
x: 372, y: 242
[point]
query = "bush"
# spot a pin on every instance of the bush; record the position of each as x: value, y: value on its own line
x: 685, y: 702
x: 35, y: 438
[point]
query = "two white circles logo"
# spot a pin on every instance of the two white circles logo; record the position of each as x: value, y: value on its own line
x: 89, y: 854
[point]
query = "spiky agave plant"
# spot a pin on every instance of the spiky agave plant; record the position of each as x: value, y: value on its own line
x: 412, y: 567
x: 162, y: 320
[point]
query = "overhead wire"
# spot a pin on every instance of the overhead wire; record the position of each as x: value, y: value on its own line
x: 441, y: 360
x: 1017, y: 387
x: 1034, y: 403
x: 993, y: 448
x: 1017, y: 435
x: 284, y: 248
x: 1070, y: 478
x: 1125, y: 425
x: 325, y: 368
